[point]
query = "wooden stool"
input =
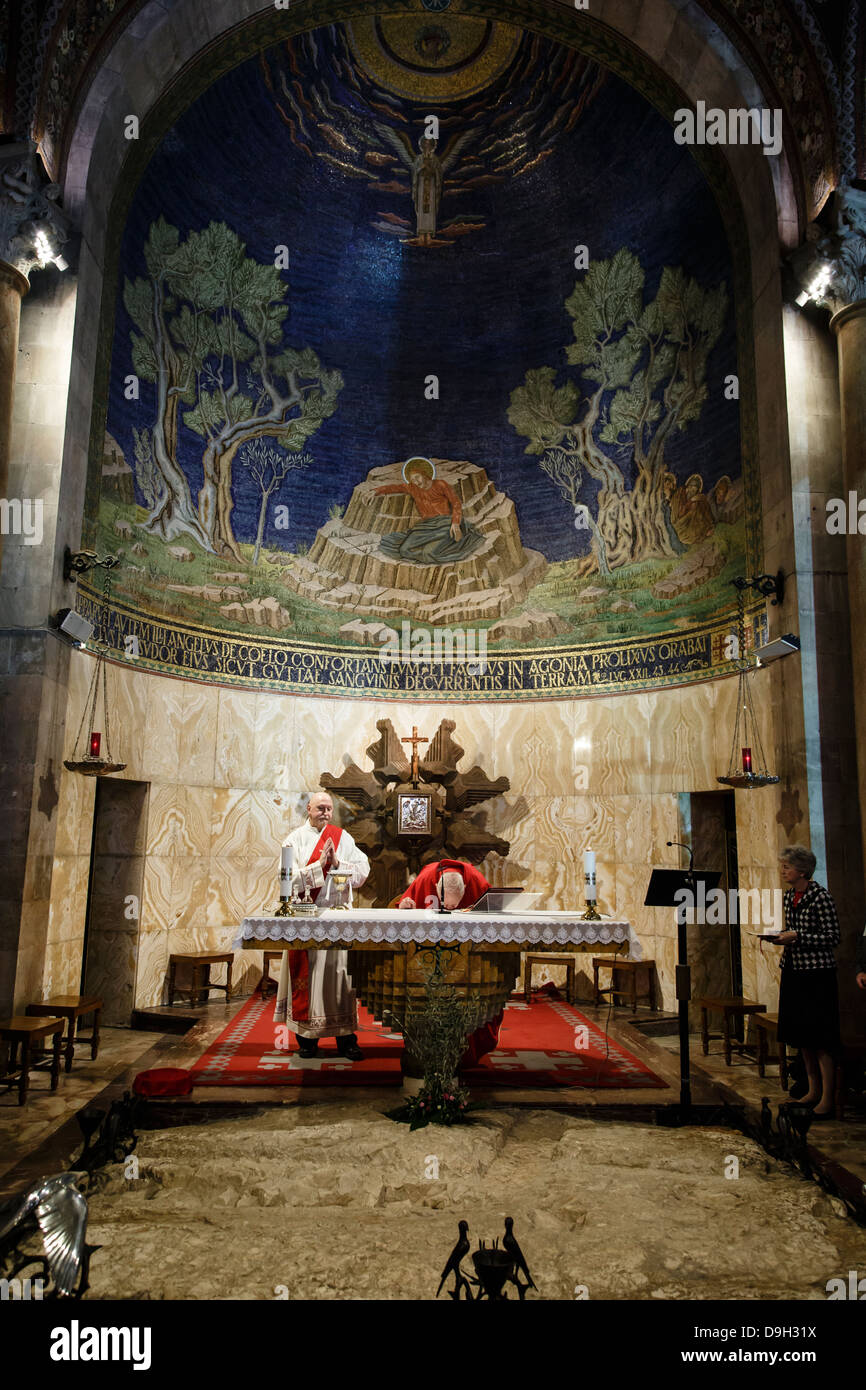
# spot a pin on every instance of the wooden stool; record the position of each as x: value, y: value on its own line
x: 201, y: 962
x: 267, y: 981
x: 72, y: 1007
x: 733, y: 1007
x: 26, y: 1031
x: 765, y: 1027
x: 548, y: 957
x: 631, y: 967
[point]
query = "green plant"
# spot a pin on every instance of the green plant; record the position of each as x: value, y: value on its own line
x: 437, y: 1038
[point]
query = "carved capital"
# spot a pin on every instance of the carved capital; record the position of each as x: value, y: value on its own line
x: 33, y: 229
x: 845, y: 249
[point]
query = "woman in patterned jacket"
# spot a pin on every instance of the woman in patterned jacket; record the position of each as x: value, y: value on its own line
x: 808, y: 992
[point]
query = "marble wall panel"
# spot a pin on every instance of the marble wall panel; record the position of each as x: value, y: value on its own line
x: 235, y: 738
x: 130, y: 694
x: 62, y: 973
x: 198, y: 735
x: 68, y: 905
x: 555, y: 857
x: 227, y: 895
x: 230, y: 822
x: 163, y: 729
x: 479, y: 733
x: 631, y: 747
x: 270, y: 820
x: 152, y: 971
x: 193, y: 836
x: 74, y: 813
x: 164, y: 817
x: 189, y: 894
x: 595, y: 768
x: 317, y: 750
x: 274, y: 741
x: 156, y: 895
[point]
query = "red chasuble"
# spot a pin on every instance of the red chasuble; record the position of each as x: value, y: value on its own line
x: 425, y: 891
x: 299, y: 961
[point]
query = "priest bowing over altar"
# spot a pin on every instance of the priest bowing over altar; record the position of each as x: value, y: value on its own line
x: 451, y: 885
x: 315, y: 996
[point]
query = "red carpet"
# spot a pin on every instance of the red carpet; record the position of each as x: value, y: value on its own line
x: 540, y: 1044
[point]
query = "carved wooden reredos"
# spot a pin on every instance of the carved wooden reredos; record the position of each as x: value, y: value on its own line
x: 373, y: 798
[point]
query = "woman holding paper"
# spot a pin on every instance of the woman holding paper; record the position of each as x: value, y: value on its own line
x: 808, y: 991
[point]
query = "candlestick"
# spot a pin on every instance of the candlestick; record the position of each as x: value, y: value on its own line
x: 747, y: 760
x: 95, y: 740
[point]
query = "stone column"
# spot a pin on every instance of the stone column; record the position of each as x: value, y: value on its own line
x: 13, y: 287
x: 33, y: 662
x: 33, y: 231
x: 847, y: 295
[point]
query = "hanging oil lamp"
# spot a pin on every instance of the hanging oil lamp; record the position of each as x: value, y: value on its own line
x: 747, y: 767
x: 91, y: 754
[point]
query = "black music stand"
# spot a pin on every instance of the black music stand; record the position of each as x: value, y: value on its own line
x: 661, y: 891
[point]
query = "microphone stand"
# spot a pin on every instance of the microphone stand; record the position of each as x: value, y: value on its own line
x: 440, y: 892
x: 684, y: 985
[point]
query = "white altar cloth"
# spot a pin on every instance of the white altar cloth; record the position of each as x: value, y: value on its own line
x: 382, y: 926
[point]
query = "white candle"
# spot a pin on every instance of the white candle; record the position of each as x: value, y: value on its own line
x: 589, y: 873
x: 287, y: 855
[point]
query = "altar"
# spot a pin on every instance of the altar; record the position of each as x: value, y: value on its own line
x: 394, y: 954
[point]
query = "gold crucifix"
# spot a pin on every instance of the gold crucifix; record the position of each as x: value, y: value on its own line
x: 415, y: 740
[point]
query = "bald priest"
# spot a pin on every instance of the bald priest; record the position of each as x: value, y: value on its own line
x: 315, y: 996
x: 451, y: 884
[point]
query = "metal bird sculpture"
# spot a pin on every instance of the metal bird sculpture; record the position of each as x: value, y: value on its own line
x: 461, y: 1249
x: 59, y: 1209
x: 509, y: 1243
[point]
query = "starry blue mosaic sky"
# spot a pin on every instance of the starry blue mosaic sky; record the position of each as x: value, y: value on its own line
x: 477, y: 314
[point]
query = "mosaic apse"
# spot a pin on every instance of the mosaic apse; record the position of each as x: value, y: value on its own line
x: 378, y: 380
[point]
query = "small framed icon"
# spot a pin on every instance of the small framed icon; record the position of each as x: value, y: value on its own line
x: 414, y: 813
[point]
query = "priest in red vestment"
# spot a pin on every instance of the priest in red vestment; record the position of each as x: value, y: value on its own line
x: 454, y: 885
x: 315, y: 995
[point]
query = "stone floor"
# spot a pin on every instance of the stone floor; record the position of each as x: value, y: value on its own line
x: 315, y: 1190
x: 335, y: 1201
x: 24, y: 1129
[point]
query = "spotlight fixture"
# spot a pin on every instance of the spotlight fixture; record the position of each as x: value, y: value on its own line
x: 72, y: 625
x: 780, y: 646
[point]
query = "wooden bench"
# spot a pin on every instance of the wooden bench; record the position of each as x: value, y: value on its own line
x: 72, y: 1007
x: 632, y: 968
x: 731, y: 1007
x: 267, y: 980
x: 25, y: 1031
x: 766, y: 1026
x: 201, y: 984
x: 549, y: 958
